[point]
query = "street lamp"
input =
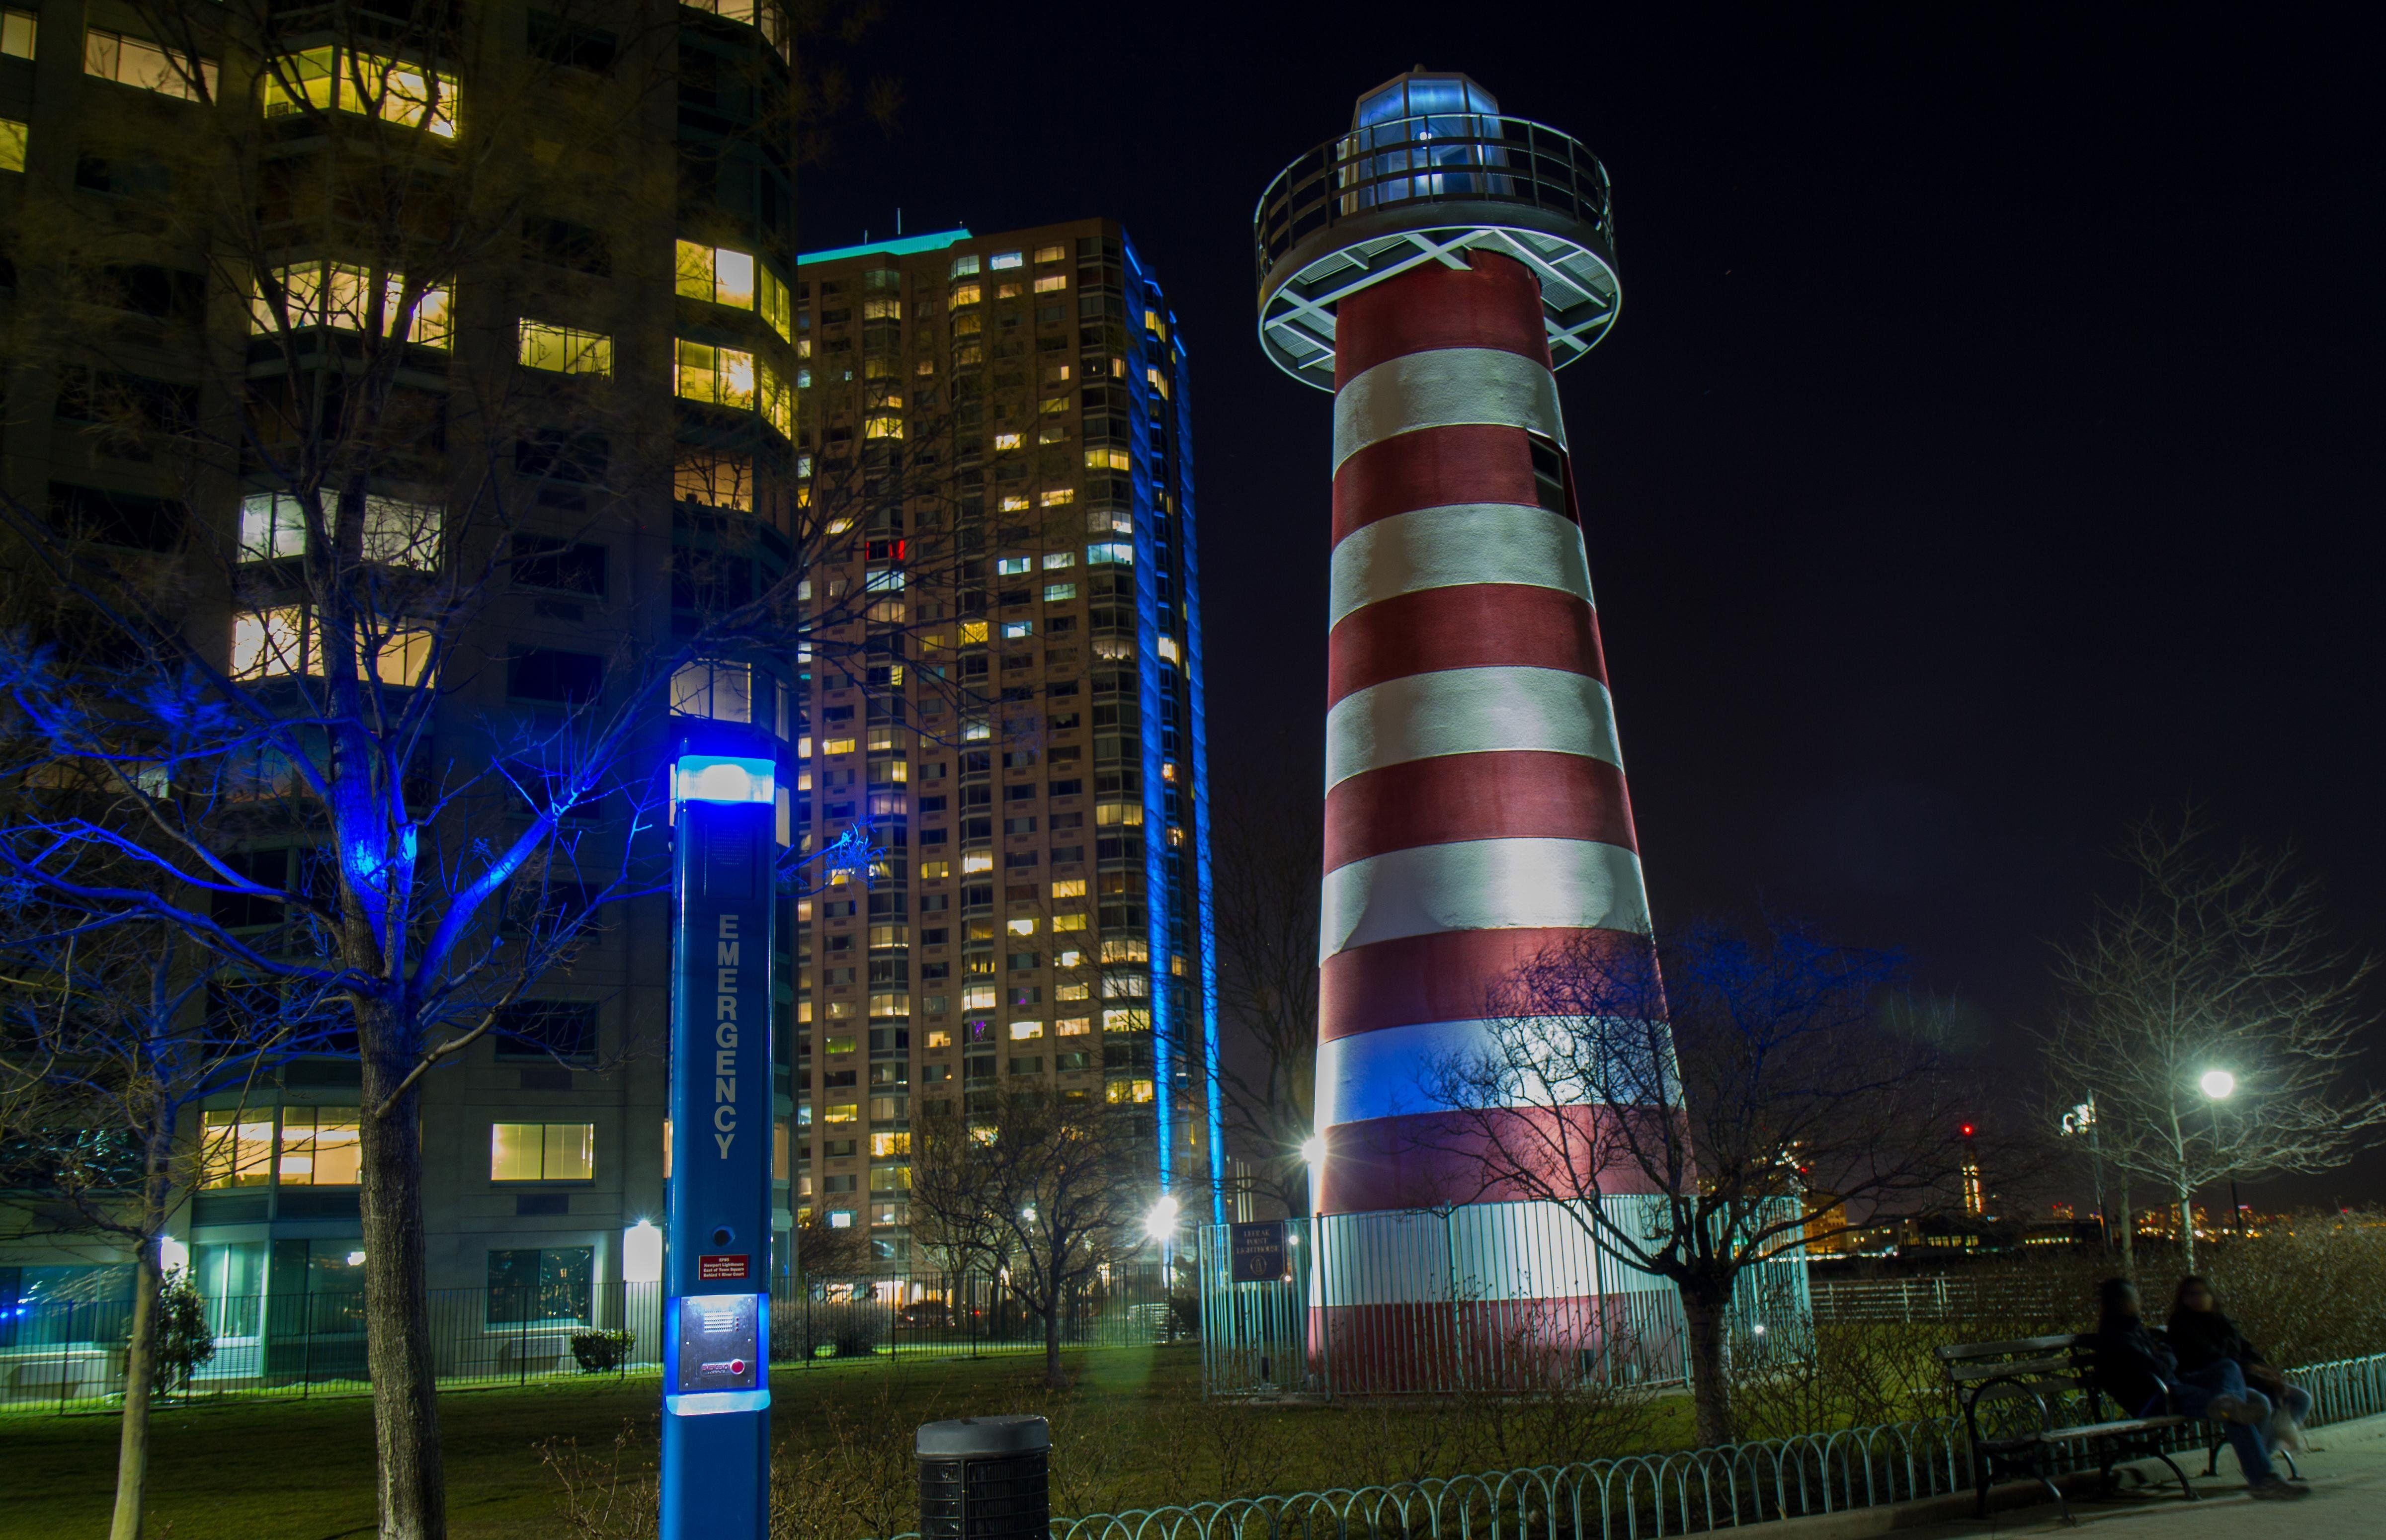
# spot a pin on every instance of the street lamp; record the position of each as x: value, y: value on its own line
x: 1161, y: 1224
x: 2082, y: 1120
x: 2218, y: 1086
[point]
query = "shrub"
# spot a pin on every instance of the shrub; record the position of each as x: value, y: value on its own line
x: 601, y: 1352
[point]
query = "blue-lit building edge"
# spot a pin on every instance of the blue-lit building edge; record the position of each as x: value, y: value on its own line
x: 1189, y: 558
x: 1153, y: 687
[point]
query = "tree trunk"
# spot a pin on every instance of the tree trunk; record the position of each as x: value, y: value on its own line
x: 397, y: 1324
x: 2128, y: 1233
x: 2186, y: 1228
x: 1053, y: 1378
x: 1703, y: 1309
x: 140, y: 1374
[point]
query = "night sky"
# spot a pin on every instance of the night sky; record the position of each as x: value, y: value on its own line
x: 1988, y: 452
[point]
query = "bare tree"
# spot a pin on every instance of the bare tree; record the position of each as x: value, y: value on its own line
x: 112, y: 1035
x: 1697, y: 1127
x: 1043, y: 1189
x: 2216, y: 966
x: 1270, y: 852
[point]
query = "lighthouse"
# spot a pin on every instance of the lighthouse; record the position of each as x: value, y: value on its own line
x: 1433, y: 267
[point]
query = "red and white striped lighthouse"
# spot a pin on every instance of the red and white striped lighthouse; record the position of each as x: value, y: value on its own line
x: 1439, y: 260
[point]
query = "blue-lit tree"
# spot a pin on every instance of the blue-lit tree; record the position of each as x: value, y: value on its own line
x: 1700, y: 1106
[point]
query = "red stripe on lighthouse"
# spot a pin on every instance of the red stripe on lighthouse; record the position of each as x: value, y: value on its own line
x: 1464, y: 463
x: 1442, y: 977
x: 1475, y: 797
x: 1494, y: 304
x: 1481, y: 626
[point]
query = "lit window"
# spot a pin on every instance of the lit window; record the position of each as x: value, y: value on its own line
x: 1075, y: 1026
x: 935, y: 871
x: 319, y: 1146
x: 1109, y: 459
x: 329, y: 78
x: 138, y: 62
x: 975, y: 731
x: 12, y: 144
x: 339, y: 294
x: 964, y: 266
x: 18, y: 29
x: 842, y: 1112
x: 761, y: 15
x: 883, y: 426
x: 565, y: 349
x: 978, y: 996
x: 1052, y: 432
x: 1014, y: 505
x: 236, y: 1150
x: 1158, y: 382
x: 723, y: 376
x: 967, y: 293
x: 883, y: 580
x: 1007, y: 291
x: 1057, y: 375
x: 1113, y: 813
x: 1051, y: 283
x: 1110, y: 552
x: 270, y: 644
x: 837, y: 746
x: 882, y: 307
x: 1006, y: 259
x: 1017, y: 631
x: 1009, y: 565
x: 715, y: 480
x: 1125, y: 1091
x: 1069, y: 887
x: 977, y: 860
x: 885, y: 1144
x: 778, y: 402
x: 542, y: 1152
x: 1059, y: 497
x: 1006, y: 441
x: 272, y: 524
x: 1025, y: 927
x: 972, y: 631
x: 723, y: 691
x: 716, y: 275
x: 1022, y: 1031
x: 1168, y: 649
x: 404, y: 656
x: 1150, y: 320
x: 1126, y: 949
x: 778, y: 306
x: 1050, y: 254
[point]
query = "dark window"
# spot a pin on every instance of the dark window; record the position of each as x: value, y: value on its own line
x: 1549, y: 477
x: 544, y: 673
x: 561, y: 243
x: 567, y: 565
x: 552, y: 1283
x: 548, y: 1029
x: 552, y: 453
x: 561, y: 41
x: 1066, y: 788
x: 126, y: 519
x: 166, y: 293
x: 1064, y: 722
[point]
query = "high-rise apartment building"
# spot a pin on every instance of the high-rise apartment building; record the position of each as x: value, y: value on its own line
x: 608, y: 380
x: 1021, y: 728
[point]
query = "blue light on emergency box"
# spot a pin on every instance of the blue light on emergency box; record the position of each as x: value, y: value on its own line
x: 722, y: 778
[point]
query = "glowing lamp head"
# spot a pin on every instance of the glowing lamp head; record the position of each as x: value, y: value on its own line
x: 2219, y: 1084
x: 722, y: 778
x: 642, y: 1253
x: 1160, y: 1223
x: 1313, y: 1150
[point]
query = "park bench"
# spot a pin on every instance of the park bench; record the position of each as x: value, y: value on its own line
x: 2001, y: 1384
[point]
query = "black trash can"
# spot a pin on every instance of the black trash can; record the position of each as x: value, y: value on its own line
x: 985, y: 1478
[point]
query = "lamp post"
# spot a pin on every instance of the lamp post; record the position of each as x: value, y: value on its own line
x: 716, y: 1459
x: 2218, y: 1086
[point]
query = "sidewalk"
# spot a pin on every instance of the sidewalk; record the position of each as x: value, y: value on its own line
x: 2346, y: 1471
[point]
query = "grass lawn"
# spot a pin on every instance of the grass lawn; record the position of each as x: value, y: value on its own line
x: 1133, y: 1432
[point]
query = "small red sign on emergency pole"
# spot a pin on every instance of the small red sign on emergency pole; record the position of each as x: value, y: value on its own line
x: 712, y: 1269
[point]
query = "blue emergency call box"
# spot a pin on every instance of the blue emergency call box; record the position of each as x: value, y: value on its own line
x: 716, y: 1476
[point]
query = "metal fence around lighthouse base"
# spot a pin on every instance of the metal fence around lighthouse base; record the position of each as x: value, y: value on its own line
x: 1487, y: 1297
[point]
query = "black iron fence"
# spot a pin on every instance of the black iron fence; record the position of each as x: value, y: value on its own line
x: 68, y: 1355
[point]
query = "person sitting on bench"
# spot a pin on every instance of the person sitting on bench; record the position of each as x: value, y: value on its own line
x: 2137, y: 1369
x: 2201, y: 1335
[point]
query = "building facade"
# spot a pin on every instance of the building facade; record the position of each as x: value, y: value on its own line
x: 614, y: 367
x: 1021, y: 730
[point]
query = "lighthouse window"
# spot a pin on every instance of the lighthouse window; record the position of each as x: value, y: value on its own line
x: 1548, y: 476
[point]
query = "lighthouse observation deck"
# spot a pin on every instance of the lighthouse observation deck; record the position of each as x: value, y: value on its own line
x: 1431, y: 171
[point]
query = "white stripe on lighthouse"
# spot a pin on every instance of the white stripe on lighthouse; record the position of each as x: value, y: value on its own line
x: 1489, y: 710
x: 1448, y: 547
x: 1481, y: 885
x: 1444, y: 387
